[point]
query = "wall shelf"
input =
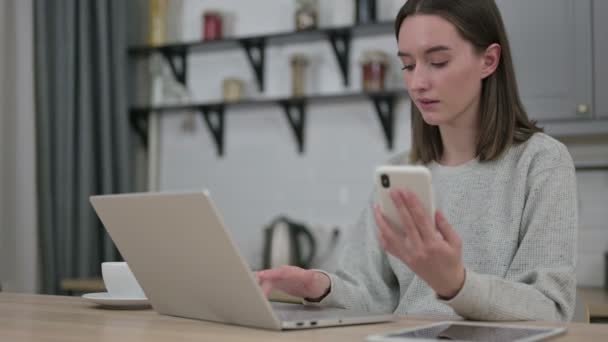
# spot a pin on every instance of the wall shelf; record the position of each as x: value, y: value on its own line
x: 588, y: 167
x: 293, y: 108
x: 255, y: 46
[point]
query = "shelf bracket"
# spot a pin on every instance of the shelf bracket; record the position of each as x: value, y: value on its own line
x: 214, y: 118
x: 340, y: 42
x: 296, y: 119
x: 255, y: 50
x: 139, y: 123
x: 178, y: 62
x: 385, y: 109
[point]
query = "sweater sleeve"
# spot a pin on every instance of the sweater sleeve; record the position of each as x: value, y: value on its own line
x: 364, y: 279
x: 540, y: 283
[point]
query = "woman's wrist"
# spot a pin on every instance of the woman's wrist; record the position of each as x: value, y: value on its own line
x: 321, y: 282
x: 450, y: 293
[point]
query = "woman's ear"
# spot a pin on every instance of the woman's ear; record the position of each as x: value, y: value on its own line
x: 490, y: 60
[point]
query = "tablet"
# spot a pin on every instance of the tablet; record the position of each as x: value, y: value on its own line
x: 470, y: 331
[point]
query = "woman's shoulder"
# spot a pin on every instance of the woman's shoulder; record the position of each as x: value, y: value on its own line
x: 543, y: 152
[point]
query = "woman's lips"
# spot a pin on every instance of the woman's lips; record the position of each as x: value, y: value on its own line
x: 427, y: 104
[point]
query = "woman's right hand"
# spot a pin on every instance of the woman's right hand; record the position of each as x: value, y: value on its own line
x: 294, y: 281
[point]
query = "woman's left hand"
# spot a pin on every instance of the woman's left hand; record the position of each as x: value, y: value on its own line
x: 434, y: 253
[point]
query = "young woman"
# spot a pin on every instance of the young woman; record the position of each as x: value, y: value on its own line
x: 506, y: 192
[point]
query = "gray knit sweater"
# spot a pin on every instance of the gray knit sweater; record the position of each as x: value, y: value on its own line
x: 518, y: 220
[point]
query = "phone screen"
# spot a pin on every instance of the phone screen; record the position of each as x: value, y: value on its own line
x: 461, y: 332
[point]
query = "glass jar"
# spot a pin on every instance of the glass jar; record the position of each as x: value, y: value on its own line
x: 365, y: 11
x: 157, y: 28
x: 307, y: 14
x: 299, y: 62
x: 374, y: 67
x: 232, y: 89
x: 212, y: 25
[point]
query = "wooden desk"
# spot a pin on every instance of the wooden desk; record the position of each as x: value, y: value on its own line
x: 82, y: 285
x: 596, y: 299
x: 57, y: 318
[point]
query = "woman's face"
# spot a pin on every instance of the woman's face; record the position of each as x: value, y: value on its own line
x: 442, y: 71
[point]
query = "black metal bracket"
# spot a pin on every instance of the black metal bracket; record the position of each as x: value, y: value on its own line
x: 215, y: 126
x: 296, y: 119
x: 385, y: 108
x: 139, y: 121
x: 340, y: 42
x: 255, y: 48
x: 584, y: 168
x: 178, y: 62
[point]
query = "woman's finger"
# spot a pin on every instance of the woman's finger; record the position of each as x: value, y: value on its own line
x: 409, y: 226
x: 388, y: 235
x: 419, y: 215
x: 446, y: 230
x: 266, y: 287
x: 268, y: 274
x: 381, y: 236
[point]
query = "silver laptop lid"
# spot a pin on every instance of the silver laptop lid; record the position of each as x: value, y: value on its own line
x: 184, y: 259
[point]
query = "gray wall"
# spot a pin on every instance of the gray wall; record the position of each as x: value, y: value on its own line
x: 600, y: 11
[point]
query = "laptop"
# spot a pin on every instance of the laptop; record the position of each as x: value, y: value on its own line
x: 184, y: 258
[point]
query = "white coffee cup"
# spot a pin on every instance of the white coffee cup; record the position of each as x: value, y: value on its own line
x: 120, y: 281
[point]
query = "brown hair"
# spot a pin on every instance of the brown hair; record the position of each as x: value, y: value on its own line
x: 503, y: 120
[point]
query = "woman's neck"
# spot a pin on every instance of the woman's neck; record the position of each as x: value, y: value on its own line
x: 459, y: 143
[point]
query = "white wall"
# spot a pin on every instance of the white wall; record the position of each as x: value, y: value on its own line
x: 261, y: 175
x: 18, y: 230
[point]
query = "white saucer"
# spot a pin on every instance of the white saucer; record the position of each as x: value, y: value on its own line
x: 105, y: 299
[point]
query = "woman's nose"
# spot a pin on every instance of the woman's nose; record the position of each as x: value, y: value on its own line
x: 418, y: 80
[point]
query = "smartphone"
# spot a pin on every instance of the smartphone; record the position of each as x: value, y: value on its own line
x: 416, y: 179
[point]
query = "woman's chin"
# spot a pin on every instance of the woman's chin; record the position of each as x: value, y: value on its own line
x: 433, y: 118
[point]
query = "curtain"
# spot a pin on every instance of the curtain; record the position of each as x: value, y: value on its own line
x: 84, y: 145
x: 18, y: 229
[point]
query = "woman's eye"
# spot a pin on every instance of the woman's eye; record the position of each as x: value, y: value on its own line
x: 408, y: 67
x: 439, y: 65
